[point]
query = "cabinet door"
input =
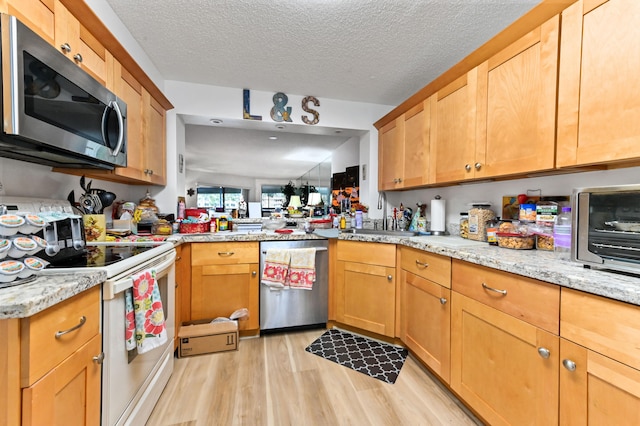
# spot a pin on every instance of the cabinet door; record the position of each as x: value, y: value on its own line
x: 415, y: 164
x: 596, y: 390
x: 425, y: 319
x: 78, y: 44
x: 154, y: 140
x: 218, y: 290
x: 69, y: 394
x: 390, y: 154
x: 599, y: 91
x: 516, y: 105
x: 130, y: 90
x: 365, y: 297
x: 453, y: 130
x: 39, y: 15
x: 500, y: 365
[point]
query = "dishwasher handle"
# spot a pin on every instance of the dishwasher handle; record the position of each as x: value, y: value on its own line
x: 317, y: 249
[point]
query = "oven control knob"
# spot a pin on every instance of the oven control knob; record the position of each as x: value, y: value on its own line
x: 98, y: 359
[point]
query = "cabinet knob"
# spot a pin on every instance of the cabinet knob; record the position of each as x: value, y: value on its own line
x: 569, y: 365
x: 77, y: 57
x: 389, y: 277
x: 150, y: 171
x: 422, y: 265
x: 225, y: 253
x: 65, y: 47
x: 544, y: 352
x: 399, y: 180
x: 253, y: 273
x: 467, y: 167
x: 98, y: 359
x: 478, y: 166
x: 443, y: 301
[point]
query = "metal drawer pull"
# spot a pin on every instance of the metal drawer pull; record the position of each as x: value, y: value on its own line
x: 443, y: 301
x: 569, y: 365
x: 225, y: 253
x: 486, y: 287
x: 422, y: 264
x: 59, y: 334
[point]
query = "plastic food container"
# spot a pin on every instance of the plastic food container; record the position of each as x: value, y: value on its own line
x: 41, y: 242
x: 515, y: 241
x: 22, y: 246
x: 479, y: 215
x: 545, y: 242
x: 9, y: 270
x: 10, y: 224
x: 464, y: 225
x: 32, y: 223
x: 5, y: 245
x: 321, y: 223
x: 31, y: 266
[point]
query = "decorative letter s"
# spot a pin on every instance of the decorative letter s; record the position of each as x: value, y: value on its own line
x: 316, y: 114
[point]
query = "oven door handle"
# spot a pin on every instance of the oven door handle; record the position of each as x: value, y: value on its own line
x: 112, y: 287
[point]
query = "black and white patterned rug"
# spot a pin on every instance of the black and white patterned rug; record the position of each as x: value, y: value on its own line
x: 375, y: 359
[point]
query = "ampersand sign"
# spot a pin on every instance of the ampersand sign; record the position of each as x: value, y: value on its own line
x: 279, y: 112
x: 305, y: 107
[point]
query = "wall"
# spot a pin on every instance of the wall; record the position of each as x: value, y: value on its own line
x: 346, y: 155
x: 458, y: 197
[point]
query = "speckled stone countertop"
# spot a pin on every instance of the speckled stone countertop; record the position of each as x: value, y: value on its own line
x: 538, y: 264
x: 27, y: 299
x: 24, y: 300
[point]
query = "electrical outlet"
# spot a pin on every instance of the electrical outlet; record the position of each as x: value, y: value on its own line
x: 1, y: 189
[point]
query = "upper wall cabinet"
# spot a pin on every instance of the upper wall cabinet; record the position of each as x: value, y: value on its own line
x: 453, y: 130
x: 517, y: 105
x: 403, y: 150
x: 39, y: 15
x: 599, y: 89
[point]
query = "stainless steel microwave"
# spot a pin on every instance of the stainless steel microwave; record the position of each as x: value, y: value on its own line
x: 53, y: 112
x: 606, y: 223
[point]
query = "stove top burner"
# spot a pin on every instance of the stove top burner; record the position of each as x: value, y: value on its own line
x: 100, y: 256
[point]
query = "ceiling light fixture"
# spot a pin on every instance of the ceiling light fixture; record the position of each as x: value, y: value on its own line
x: 280, y: 126
x: 338, y: 131
x: 215, y: 121
x: 273, y: 138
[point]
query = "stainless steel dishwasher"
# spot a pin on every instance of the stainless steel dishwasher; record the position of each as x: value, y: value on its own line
x: 294, y: 308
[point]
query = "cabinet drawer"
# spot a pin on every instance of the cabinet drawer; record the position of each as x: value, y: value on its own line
x: 533, y: 301
x: 431, y: 266
x: 224, y: 253
x: 603, y: 325
x: 41, y: 349
x: 369, y: 253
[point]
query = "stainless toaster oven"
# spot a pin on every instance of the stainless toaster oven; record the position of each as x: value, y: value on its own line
x: 606, y: 224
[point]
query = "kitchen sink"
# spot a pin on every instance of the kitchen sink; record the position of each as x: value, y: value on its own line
x: 381, y: 232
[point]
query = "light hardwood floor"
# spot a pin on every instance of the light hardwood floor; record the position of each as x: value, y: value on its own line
x: 272, y: 380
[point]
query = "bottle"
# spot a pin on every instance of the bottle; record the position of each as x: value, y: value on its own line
x: 492, y: 228
x: 358, y: 219
x: 464, y: 224
x: 343, y: 222
x: 562, y: 234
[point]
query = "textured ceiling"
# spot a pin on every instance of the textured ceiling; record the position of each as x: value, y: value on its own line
x: 375, y: 51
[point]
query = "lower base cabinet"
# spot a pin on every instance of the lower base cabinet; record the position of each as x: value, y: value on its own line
x: 600, y: 361
x: 365, y: 290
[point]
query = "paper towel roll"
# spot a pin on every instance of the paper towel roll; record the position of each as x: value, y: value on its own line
x: 438, y: 215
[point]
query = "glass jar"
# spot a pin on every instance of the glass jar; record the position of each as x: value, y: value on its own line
x: 464, y: 224
x: 478, y: 217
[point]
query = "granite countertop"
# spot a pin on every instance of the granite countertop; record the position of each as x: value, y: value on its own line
x: 24, y: 300
x: 47, y: 290
x: 541, y: 265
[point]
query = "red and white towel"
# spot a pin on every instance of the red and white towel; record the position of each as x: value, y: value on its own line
x: 289, y: 268
x: 145, y: 320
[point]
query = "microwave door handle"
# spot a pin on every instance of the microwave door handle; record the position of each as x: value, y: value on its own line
x: 116, y: 108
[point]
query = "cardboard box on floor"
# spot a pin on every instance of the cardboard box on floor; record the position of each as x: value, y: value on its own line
x: 205, y: 338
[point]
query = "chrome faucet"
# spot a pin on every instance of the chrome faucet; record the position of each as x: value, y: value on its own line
x: 382, y: 205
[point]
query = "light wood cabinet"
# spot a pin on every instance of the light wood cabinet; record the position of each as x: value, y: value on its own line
x: 403, y: 150
x: 600, y: 372
x: 504, y: 362
x: 365, y: 291
x: 426, y: 308
x: 598, y: 91
x: 39, y: 15
x: 517, y: 106
x: 224, y: 278
x: 61, y: 355
x: 453, y: 131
